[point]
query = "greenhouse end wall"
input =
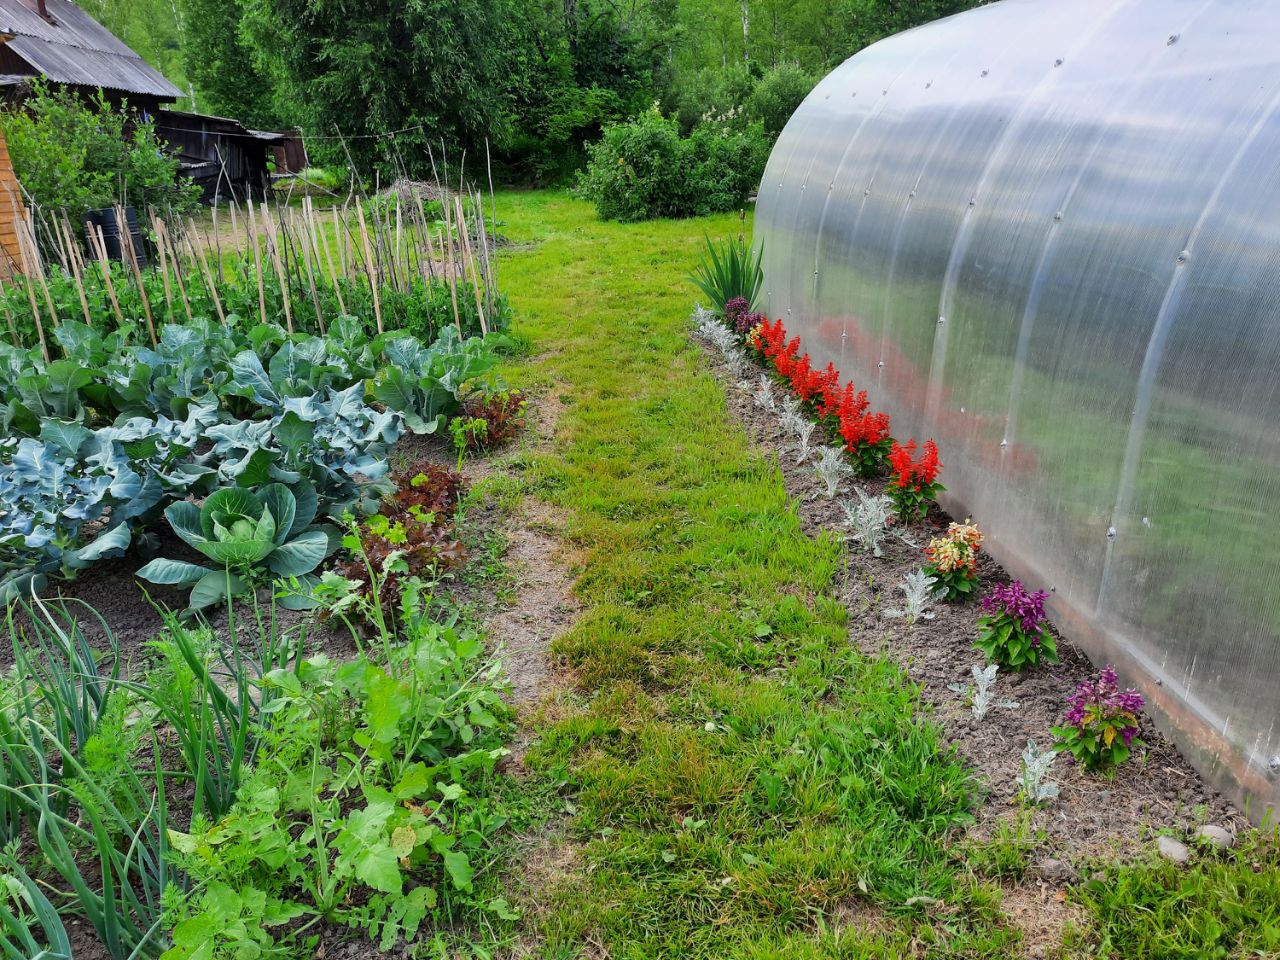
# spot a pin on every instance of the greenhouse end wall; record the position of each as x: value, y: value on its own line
x: 1047, y: 234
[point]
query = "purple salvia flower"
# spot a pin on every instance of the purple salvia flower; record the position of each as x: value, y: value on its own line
x: 735, y: 307
x: 1013, y: 600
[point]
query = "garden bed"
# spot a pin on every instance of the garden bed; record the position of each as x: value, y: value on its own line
x: 1034, y: 851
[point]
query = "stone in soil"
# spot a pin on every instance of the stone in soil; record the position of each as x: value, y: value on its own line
x: 1173, y: 850
x: 1218, y: 836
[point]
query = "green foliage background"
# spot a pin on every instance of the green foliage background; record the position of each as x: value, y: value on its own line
x: 537, y: 79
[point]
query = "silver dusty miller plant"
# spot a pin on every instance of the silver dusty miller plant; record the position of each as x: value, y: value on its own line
x: 919, y: 590
x: 982, y: 695
x: 831, y: 468
x: 868, y: 519
x: 803, y: 432
x: 1033, y: 782
x: 763, y: 396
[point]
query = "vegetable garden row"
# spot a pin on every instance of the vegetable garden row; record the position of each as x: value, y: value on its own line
x: 230, y: 415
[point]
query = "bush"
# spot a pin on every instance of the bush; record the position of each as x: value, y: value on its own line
x: 776, y: 97
x: 76, y: 155
x: 644, y: 169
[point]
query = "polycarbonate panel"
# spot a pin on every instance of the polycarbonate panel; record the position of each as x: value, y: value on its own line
x: 1047, y: 234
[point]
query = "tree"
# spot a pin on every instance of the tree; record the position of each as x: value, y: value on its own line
x: 425, y: 70
x: 228, y: 78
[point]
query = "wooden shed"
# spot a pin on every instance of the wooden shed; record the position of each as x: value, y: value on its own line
x: 58, y: 41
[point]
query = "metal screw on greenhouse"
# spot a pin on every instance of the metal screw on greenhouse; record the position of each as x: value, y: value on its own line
x: 1004, y: 443
x: 1058, y: 62
x: 1111, y: 533
x: 880, y: 364
x: 1172, y: 40
x: 1274, y: 764
x: 1058, y: 215
x: 942, y: 319
x: 1184, y: 256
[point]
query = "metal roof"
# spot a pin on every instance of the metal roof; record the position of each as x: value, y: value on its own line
x: 75, y: 49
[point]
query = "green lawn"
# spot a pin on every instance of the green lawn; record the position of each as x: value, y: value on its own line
x: 740, y: 783
x: 745, y: 783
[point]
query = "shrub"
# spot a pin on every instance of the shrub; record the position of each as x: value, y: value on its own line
x: 1101, y: 723
x: 776, y: 97
x: 1012, y: 629
x: 78, y: 156
x: 644, y: 169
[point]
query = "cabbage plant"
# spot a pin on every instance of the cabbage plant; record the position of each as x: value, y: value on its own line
x: 251, y: 538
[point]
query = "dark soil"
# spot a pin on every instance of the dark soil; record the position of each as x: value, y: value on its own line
x: 1096, y: 818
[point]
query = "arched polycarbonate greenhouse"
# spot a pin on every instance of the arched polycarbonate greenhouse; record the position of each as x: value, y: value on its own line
x: 1047, y: 234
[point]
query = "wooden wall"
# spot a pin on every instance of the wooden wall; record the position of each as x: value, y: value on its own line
x: 10, y: 196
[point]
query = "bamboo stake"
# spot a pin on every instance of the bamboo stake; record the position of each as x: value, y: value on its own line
x: 475, y: 276
x: 31, y: 290
x: 198, y: 255
x: 74, y: 260
x: 311, y: 278
x: 99, y: 244
x: 328, y: 256
x: 158, y: 228
x: 8, y: 314
x: 28, y: 227
x: 368, y: 259
x: 177, y: 269
x: 451, y: 266
x: 425, y: 264
x: 273, y: 247
x: 340, y: 232
x: 257, y: 263
x: 126, y: 244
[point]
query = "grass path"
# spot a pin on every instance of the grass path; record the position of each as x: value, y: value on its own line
x: 746, y: 785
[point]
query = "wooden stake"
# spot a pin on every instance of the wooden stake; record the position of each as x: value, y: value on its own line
x: 73, y: 258
x: 328, y: 256
x: 38, y: 265
x: 311, y: 277
x: 368, y: 260
x: 99, y: 245
x: 257, y: 264
x: 273, y: 246
x: 158, y: 229
x: 450, y: 265
x: 126, y: 246
x: 167, y: 240
x: 475, y: 271
x: 198, y: 255
x: 31, y: 290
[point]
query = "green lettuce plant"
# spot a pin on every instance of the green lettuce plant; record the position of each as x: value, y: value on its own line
x: 251, y: 537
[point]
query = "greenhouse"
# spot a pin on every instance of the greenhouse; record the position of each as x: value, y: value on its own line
x: 1045, y: 235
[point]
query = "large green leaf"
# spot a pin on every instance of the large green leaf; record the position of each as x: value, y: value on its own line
x: 306, y: 503
x: 215, y: 587
x: 67, y: 436
x: 295, y: 436
x: 165, y: 571
x: 184, y: 517
x: 301, y: 555
x: 282, y: 505
x: 113, y: 543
